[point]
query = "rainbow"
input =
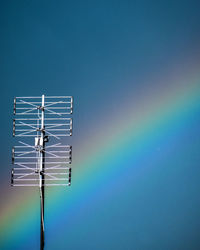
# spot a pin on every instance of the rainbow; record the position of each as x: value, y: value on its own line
x: 120, y: 149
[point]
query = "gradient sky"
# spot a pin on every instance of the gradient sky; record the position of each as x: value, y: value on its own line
x: 133, y: 68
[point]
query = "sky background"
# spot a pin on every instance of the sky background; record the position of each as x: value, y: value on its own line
x: 133, y: 68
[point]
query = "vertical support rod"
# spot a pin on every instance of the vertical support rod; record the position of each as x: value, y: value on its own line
x: 42, y: 168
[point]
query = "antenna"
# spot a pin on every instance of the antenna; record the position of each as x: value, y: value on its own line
x: 42, y: 120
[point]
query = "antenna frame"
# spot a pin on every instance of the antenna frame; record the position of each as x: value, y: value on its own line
x: 36, y: 118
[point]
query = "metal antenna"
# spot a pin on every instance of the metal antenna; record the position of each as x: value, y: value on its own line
x: 45, y: 119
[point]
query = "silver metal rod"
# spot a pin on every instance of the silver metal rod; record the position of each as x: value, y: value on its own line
x: 17, y: 163
x: 64, y: 168
x: 65, y: 102
x: 53, y: 125
x: 58, y: 173
x: 19, y: 153
x: 25, y: 185
x: 57, y: 151
x: 25, y: 124
x: 35, y: 157
x: 22, y: 169
x: 27, y: 97
x: 66, y: 184
x: 46, y: 179
x: 50, y: 113
x: 26, y: 135
x: 33, y: 169
x: 46, y: 131
x: 58, y: 146
x: 29, y: 130
x: 36, y: 185
x: 37, y: 108
x: 57, y: 124
x: 47, y: 97
x: 60, y: 108
x: 33, y: 173
x: 35, y: 119
x: 56, y: 129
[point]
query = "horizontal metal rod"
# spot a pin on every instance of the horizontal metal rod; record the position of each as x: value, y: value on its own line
x: 25, y: 135
x: 56, y: 179
x: 58, y: 97
x: 27, y: 103
x: 30, y: 108
x: 49, y: 113
x: 64, y: 168
x: 57, y: 173
x: 33, y: 97
x: 52, y: 124
x: 48, y: 129
x: 37, y: 185
x: 55, y: 162
x: 33, y: 169
x: 57, y: 151
x: 22, y: 152
x: 67, y: 184
x: 27, y: 97
x: 21, y: 174
x: 23, y: 113
x: 35, y: 119
x: 58, y: 129
x: 46, y: 157
x: 26, y: 185
x: 36, y: 135
x: 58, y: 146
x: 53, y: 102
x: 57, y: 124
x: 32, y: 130
x: 57, y: 113
x: 26, y: 179
x: 26, y: 124
x: 58, y: 118
x: 59, y: 107
x: 23, y: 168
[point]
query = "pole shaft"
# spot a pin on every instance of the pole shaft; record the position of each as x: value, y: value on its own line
x: 42, y: 218
x: 42, y: 168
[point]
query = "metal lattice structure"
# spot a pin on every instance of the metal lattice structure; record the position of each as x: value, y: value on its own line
x: 42, y: 120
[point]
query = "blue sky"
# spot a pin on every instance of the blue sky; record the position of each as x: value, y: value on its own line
x: 133, y: 69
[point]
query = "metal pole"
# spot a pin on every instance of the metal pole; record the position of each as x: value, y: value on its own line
x: 42, y: 167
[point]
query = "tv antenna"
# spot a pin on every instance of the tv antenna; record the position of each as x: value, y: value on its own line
x: 40, y: 120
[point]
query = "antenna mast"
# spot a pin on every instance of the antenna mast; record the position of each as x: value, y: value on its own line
x: 46, y: 119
